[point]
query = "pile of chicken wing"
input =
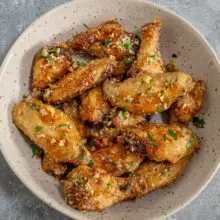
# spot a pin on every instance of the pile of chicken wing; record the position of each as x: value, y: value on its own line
x: 89, y: 121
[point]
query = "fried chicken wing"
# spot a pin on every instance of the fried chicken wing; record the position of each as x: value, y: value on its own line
x: 116, y: 159
x: 93, y: 106
x: 51, y: 130
x: 188, y: 105
x: 158, y: 175
x: 50, y: 64
x: 147, y: 93
x: 77, y: 82
x: 161, y: 142
x: 148, y: 57
x: 72, y: 110
x: 106, y: 135
x: 92, y: 189
x: 106, y: 39
x: 52, y: 168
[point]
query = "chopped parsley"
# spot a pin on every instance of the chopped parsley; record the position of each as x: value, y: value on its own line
x: 51, y: 61
x: 38, y: 128
x: 167, y: 170
x: 54, y: 50
x: 161, y: 93
x: 33, y: 106
x: 81, y: 63
x: 127, y: 62
x: 166, y: 87
x: 122, y: 112
x: 152, y: 55
x: 150, y: 137
x: 173, y: 134
x: 164, y: 137
x: 155, y: 145
x: 159, y: 110
x: 125, y: 45
x: 91, y: 164
x: 174, y: 55
x: 148, y: 89
x: 81, y: 157
x: 37, y: 151
x: 108, y: 185
x: 106, y: 43
x: 131, y: 174
x: 62, y: 125
x: 79, y: 180
x: 198, y: 122
x: 131, y: 164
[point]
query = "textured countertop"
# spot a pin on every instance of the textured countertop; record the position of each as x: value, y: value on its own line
x: 16, y: 202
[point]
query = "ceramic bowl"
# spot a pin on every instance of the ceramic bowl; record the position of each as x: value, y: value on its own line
x: 195, y: 56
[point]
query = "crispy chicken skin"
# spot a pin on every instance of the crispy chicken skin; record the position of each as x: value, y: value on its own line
x: 82, y: 79
x: 52, y: 168
x: 148, y: 57
x: 50, y: 129
x: 91, y: 189
x: 147, y: 93
x: 161, y: 142
x: 93, y: 106
x: 72, y: 110
x: 116, y: 159
x: 189, y: 104
x: 158, y: 175
x: 106, y: 135
x: 50, y: 64
x: 106, y: 39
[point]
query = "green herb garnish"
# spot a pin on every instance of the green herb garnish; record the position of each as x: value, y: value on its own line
x: 166, y: 87
x: 122, y: 112
x: 159, y: 110
x: 108, y: 185
x: 161, y: 93
x: 198, y: 122
x: 150, y: 137
x: 155, y: 145
x: 79, y: 180
x: 38, y: 128
x: 131, y: 174
x: 173, y: 134
x: 148, y: 89
x: 127, y: 62
x: 106, y: 43
x: 81, y: 157
x: 152, y: 55
x: 37, y: 151
x: 91, y: 164
x: 164, y: 137
x: 62, y: 125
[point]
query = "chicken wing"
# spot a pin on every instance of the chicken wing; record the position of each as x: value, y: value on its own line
x: 77, y: 82
x: 188, y: 105
x: 161, y: 142
x: 148, y: 57
x: 92, y: 189
x: 50, y: 64
x: 147, y: 93
x: 52, y: 168
x: 106, y: 135
x: 107, y: 39
x: 93, y: 106
x: 116, y: 159
x: 51, y: 130
x: 72, y: 110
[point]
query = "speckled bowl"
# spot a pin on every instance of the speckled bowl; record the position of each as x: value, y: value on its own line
x: 178, y: 36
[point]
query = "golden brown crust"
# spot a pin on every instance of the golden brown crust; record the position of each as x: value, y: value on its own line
x: 116, y: 159
x: 50, y: 129
x: 189, y: 104
x: 77, y: 82
x: 105, y: 40
x: 161, y: 142
x: 147, y: 93
x: 52, y: 168
x: 93, y: 106
x: 148, y: 57
x: 50, y: 64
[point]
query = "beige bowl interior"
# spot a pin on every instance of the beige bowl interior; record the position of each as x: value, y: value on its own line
x: 195, y: 57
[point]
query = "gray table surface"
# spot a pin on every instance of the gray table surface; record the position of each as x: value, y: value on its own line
x: 16, y: 202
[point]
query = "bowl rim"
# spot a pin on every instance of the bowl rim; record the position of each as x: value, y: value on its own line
x: 147, y: 2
